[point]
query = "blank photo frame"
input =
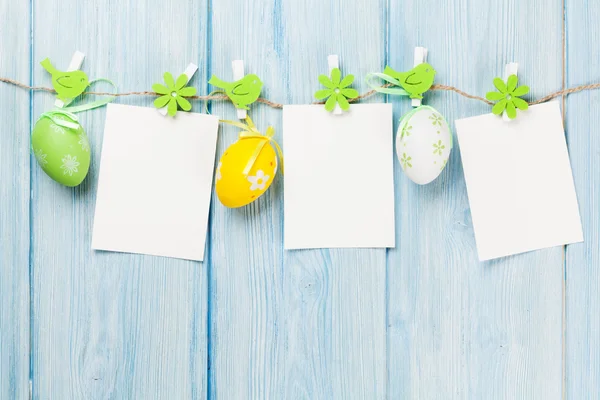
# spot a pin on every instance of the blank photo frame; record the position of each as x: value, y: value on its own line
x: 339, y: 177
x: 519, y: 182
x: 155, y: 182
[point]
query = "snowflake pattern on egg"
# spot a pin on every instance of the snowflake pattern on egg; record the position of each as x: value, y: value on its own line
x: 69, y: 165
x: 57, y: 129
x: 83, y: 142
x: 41, y: 157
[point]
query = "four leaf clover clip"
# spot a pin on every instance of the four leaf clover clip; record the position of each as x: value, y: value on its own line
x: 507, y: 96
x: 337, y: 90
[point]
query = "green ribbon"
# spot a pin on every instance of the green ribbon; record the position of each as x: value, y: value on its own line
x: 388, y: 79
x: 415, y: 110
x: 250, y: 132
x: 69, y: 112
x: 52, y: 115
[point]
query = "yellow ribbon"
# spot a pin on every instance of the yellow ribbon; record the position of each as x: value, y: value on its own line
x: 250, y: 132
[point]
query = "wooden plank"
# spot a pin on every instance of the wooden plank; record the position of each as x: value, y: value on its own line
x: 458, y: 328
x: 582, y: 301
x: 15, y: 48
x: 245, y: 348
x: 111, y: 325
x: 335, y: 299
x: 307, y: 324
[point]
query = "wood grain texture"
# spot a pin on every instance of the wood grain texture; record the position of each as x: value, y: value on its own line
x: 110, y: 325
x: 245, y: 344
x: 423, y: 321
x: 292, y: 324
x: 334, y: 299
x: 458, y: 328
x: 14, y: 205
x: 583, y: 260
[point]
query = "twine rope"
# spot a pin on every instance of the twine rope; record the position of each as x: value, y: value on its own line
x: 220, y: 97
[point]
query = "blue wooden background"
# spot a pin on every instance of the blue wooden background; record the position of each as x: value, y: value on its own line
x: 425, y: 320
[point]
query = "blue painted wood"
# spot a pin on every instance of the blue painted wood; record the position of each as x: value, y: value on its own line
x: 110, y: 325
x: 458, y: 328
x: 14, y: 205
x: 425, y: 320
x: 292, y: 324
x: 334, y: 299
x: 582, y: 260
x: 246, y: 323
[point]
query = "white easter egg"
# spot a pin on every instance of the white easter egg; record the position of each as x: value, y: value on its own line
x: 423, y: 144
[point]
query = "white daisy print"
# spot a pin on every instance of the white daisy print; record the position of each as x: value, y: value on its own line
x: 218, y: 174
x: 85, y: 144
x: 41, y: 157
x: 259, y: 181
x: 57, y: 129
x: 69, y: 165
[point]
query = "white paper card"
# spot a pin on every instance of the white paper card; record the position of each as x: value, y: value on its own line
x: 155, y: 182
x: 339, y: 177
x: 519, y: 182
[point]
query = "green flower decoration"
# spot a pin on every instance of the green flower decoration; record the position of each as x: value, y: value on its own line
x: 507, y: 97
x: 337, y: 91
x: 436, y: 119
x: 405, y: 131
x: 173, y: 94
x: 438, y: 148
x: 405, y: 160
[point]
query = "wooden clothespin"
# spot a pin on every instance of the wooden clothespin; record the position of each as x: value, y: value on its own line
x: 238, y: 73
x: 510, y: 69
x: 74, y: 65
x: 419, y: 58
x: 189, y: 72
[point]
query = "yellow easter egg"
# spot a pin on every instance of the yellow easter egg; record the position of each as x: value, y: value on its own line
x: 236, y: 189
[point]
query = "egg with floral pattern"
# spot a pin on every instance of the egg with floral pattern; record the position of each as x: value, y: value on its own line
x: 234, y: 187
x: 423, y: 144
x: 62, y: 152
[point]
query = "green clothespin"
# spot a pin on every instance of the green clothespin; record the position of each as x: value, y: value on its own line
x: 70, y: 83
x: 244, y: 91
x: 337, y: 90
x: 412, y: 83
x: 418, y: 80
x: 507, y: 96
x: 174, y: 92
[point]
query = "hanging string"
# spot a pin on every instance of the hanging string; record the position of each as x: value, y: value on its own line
x: 220, y: 97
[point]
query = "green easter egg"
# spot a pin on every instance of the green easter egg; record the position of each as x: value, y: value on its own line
x: 63, y: 153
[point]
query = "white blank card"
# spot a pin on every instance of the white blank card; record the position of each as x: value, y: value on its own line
x: 519, y: 182
x: 155, y: 182
x: 339, y: 177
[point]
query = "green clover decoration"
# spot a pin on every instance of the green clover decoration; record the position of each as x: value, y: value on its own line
x: 173, y: 94
x: 338, y: 90
x: 507, y: 97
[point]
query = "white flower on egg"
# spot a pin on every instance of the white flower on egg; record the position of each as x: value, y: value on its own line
x: 41, y: 157
x: 69, y: 165
x: 83, y: 141
x: 258, y: 181
x: 57, y: 129
x: 424, y: 153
